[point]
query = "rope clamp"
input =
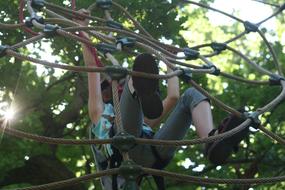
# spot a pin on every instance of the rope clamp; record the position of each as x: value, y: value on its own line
x: 216, y: 71
x: 282, y: 7
x: 218, y: 47
x: 104, y: 4
x: 3, y: 49
x: 114, y: 24
x: 191, y: 54
x: 275, y: 79
x: 130, y: 170
x: 255, y: 122
x: 50, y: 30
x: 116, y: 72
x: 250, y: 27
x: 126, y: 41
x: 38, y: 4
x: 186, y: 75
x: 106, y: 48
x: 34, y: 16
x: 124, y: 142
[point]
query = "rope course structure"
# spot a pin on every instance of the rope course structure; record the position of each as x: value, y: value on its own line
x: 60, y: 23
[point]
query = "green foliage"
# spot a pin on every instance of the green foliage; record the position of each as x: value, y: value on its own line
x: 43, y: 98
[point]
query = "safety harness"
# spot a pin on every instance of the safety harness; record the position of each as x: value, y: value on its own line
x: 116, y: 160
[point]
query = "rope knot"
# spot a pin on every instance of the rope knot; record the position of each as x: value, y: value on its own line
x: 282, y: 7
x: 275, y: 79
x: 106, y: 48
x: 250, y: 27
x: 186, y: 74
x: 191, y: 54
x: 34, y: 16
x: 255, y: 122
x: 218, y: 47
x: 124, y: 142
x: 130, y: 170
x: 104, y: 4
x: 3, y: 49
x: 126, y: 41
x: 216, y: 71
x: 38, y: 4
x: 114, y: 24
x: 50, y: 30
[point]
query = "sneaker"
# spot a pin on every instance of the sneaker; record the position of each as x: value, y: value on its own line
x: 218, y: 152
x: 147, y: 89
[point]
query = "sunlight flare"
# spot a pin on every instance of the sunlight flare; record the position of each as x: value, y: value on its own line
x: 9, y: 114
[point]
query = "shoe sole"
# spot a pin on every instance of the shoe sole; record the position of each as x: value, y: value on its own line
x: 147, y: 89
x: 220, y: 150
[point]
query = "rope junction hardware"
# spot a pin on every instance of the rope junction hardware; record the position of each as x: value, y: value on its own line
x: 63, y: 26
x: 3, y: 50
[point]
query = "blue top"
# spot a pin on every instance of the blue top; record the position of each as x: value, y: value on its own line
x: 102, y: 129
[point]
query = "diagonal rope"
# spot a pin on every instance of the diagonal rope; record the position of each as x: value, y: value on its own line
x: 266, y: 3
x: 166, y: 53
x: 73, y: 181
x: 209, y: 181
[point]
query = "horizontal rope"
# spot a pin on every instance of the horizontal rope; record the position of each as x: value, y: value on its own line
x: 166, y: 53
x: 11, y: 26
x: 73, y: 181
x: 74, y: 13
x: 19, y: 56
x: 50, y: 140
x: 209, y: 181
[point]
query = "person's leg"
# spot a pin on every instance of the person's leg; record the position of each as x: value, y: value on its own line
x: 192, y: 106
x: 146, y: 101
x: 202, y: 118
x: 139, y: 98
x: 131, y: 112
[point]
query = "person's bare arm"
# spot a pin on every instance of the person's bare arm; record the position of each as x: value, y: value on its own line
x: 169, y: 102
x: 95, y: 101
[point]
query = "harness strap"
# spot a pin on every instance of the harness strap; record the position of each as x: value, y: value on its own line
x: 115, y: 160
x: 160, y: 163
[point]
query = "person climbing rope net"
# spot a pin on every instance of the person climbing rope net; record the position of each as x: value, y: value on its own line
x: 142, y: 110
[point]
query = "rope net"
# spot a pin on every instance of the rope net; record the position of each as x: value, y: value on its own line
x: 59, y: 22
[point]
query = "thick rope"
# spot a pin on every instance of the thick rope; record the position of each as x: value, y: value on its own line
x: 205, y: 181
x: 73, y: 181
x: 49, y: 140
x: 167, y: 54
x: 272, y: 135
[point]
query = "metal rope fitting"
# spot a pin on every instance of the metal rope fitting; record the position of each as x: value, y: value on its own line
x: 216, y: 71
x: 38, y: 4
x: 29, y: 21
x: 275, y: 79
x: 116, y: 72
x: 186, y: 75
x: 126, y: 41
x: 250, y: 27
x: 3, y: 49
x: 123, y: 141
x: 218, y: 47
x: 255, y: 122
x: 130, y: 170
x: 104, y: 4
x: 50, y: 30
x: 106, y: 48
x: 114, y: 24
x: 282, y: 7
x: 191, y: 54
